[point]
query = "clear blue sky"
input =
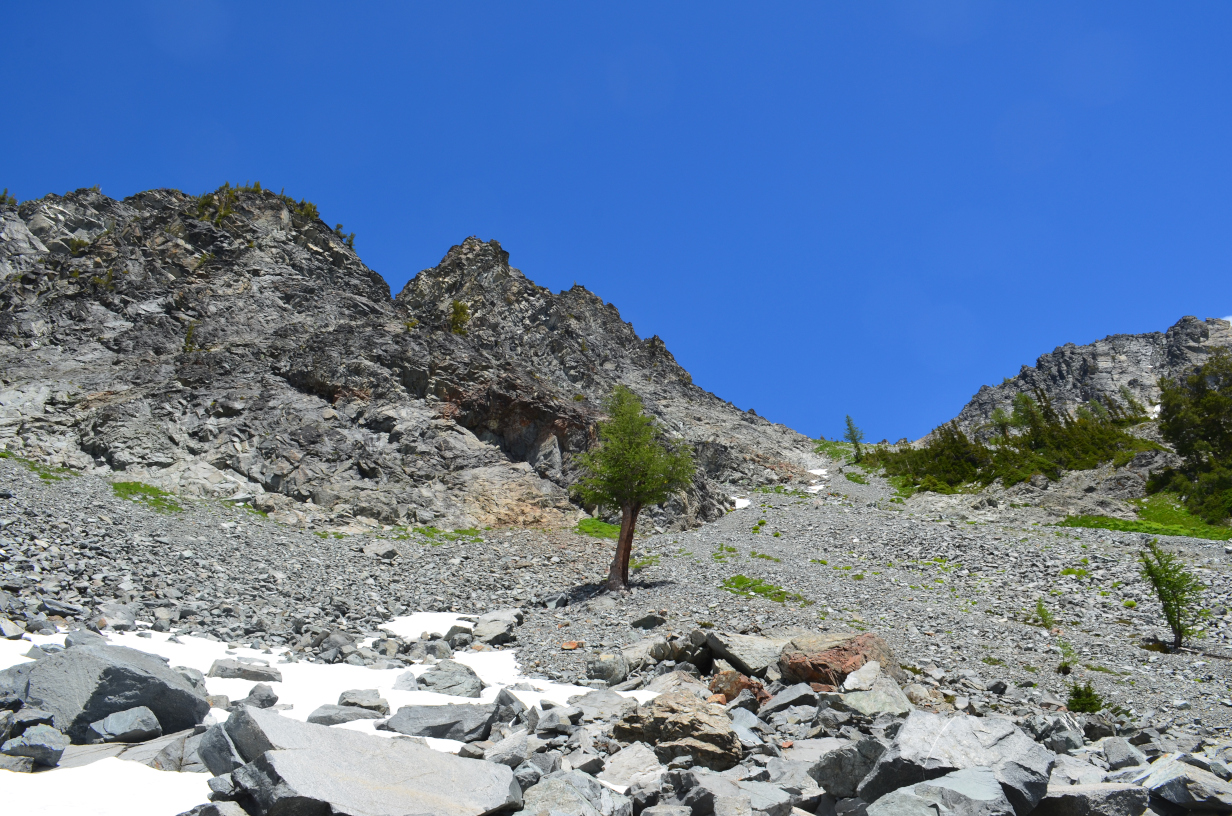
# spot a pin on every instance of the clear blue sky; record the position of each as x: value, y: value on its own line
x: 864, y: 208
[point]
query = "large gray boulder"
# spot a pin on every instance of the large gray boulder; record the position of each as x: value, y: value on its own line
x: 452, y: 678
x: 1103, y: 799
x: 929, y: 746
x: 301, y: 768
x: 576, y: 794
x: 632, y: 765
x: 217, y: 752
x: 749, y: 654
x: 840, y: 768
x: 970, y: 792
x: 602, y: 704
x: 884, y: 697
x: 465, y: 722
x: 85, y: 684
x: 1188, y: 786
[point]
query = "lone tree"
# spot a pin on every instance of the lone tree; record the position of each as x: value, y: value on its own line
x: 855, y: 436
x: 1179, y: 591
x: 633, y: 466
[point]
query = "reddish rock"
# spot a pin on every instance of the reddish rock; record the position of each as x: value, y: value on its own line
x: 731, y: 683
x: 826, y: 660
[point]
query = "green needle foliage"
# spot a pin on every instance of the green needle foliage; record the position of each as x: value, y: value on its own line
x: 1084, y: 699
x: 1179, y: 591
x: 854, y: 436
x: 633, y: 466
x: 1044, y: 441
x: 1195, y: 416
x: 459, y: 317
x: 1046, y: 619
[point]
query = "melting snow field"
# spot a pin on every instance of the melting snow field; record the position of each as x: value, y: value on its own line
x: 116, y: 786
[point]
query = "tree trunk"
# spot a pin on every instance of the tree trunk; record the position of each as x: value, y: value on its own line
x: 618, y: 575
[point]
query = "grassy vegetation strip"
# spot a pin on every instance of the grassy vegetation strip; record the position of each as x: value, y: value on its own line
x: 598, y: 529
x: 47, y: 474
x: 150, y: 496
x: 1161, y: 514
x: 756, y: 587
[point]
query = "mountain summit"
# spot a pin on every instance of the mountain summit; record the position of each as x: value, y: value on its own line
x: 232, y: 345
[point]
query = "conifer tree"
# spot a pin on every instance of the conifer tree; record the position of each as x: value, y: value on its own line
x: 633, y: 466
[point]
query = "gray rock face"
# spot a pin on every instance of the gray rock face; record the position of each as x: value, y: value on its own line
x: 464, y: 722
x: 364, y: 698
x: 85, y: 684
x: 1120, y: 754
x: 575, y: 793
x: 749, y: 654
x: 290, y: 762
x: 217, y: 752
x: 840, y: 768
x: 931, y: 745
x: 41, y: 743
x: 885, y: 697
x: 610, y: 668
x: 304, y: 327
x: 633, y: 765
x: 452, y: 678
x: 970, y: 792
x: 1188, y: 786
x: 134, y: 725
x: 229, y: 668
x: 1103, y: 799
x: 496, y: 628
x: 336, y: 715
x: 511, y: 751
x: 333, y: 771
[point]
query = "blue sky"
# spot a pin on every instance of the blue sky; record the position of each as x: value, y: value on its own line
x: 823, y: 209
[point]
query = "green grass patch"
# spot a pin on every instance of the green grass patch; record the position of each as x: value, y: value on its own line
x: 756, y: 587
x: 821, y: 561
x: 767, y: 557
x: 1077, y: 572
x: 723, y: 552
x: 436, y: 537
x: 1161, y: 514
x: 992, y: 661
x: 839, y: 451
x: 153, y: 498
x: 47, y: 474
x: 856, y: 477
x: 598, y: 529
x: 643, y: 563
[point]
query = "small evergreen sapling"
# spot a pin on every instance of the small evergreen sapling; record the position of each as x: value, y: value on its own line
x: 855, y: 436
x: 1179, y: 591
x: 633, y: 466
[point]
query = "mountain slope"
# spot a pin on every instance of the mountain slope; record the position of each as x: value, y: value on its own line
x: 234, y: 345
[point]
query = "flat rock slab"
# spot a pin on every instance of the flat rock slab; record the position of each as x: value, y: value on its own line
x: 83, y: 685
x: 929, y: 746
x: 237, y: 670
x: 749, y: 654
x: 1103, y: 799
x: 337, y: 715
x: 463, y: 722
x: 372, y: 776
x: 1188, y: 786
x: 970, y: 792
x: 452, y: 678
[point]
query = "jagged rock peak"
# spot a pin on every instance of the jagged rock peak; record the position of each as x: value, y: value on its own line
x: 1072, y: 375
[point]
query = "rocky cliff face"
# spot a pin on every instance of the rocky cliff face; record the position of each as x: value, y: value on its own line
x: 234, y: 345
x: 1073, y: 375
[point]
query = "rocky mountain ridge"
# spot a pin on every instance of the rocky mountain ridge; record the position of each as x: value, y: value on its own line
x: 234, y: 346
x: 1073, y: 375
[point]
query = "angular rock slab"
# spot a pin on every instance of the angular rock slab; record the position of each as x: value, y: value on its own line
x: 463, y: 722
x: 678, y: 723
x: 337, y: 715
x: 750, y: 654
x: 1103, y: 799
x: 85, y: 684
x: 576, y: 794
x: 296, y: 767
x: 452, y: 678
x: 885, y: 697
x: 929, y: 746
x: 970, y: 792
x: 42, y: 743
x: 632, y: 765
x: 1188, y: 786
x: 373, y: 777
x: 133, y: 725
x: 828, y: 658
